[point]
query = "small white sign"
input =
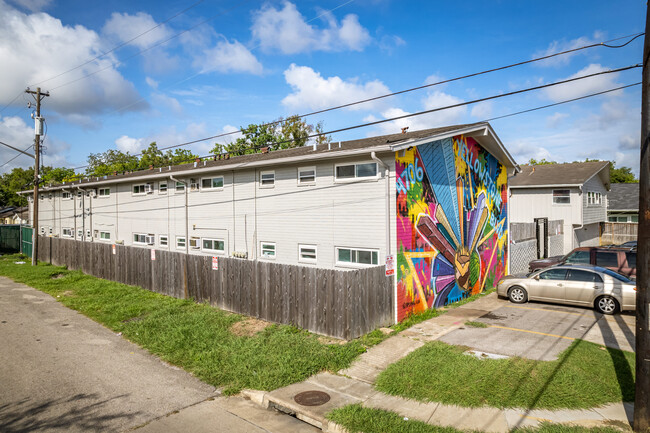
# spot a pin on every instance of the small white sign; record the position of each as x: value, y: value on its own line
x: 113, y: 249
x: 153, y: 254
x: 390, y: 265
x: 215, y: 263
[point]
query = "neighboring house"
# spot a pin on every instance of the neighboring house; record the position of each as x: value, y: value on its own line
x: 13, y: 215
x: 434, y: 200
x: 575, y: 193
x: 623, y: 203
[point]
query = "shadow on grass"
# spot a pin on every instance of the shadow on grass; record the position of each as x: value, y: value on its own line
x: 81, y: 412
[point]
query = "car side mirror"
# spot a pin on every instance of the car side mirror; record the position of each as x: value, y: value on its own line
x: 536, y: 277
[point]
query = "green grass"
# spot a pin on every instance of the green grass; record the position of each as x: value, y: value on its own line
x: 359, y: 419
x: 193, y: 336
x: 476, y: 324
x: 585, y: 375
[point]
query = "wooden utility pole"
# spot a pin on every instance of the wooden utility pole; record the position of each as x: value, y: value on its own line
x: 38, y: 96
x: 642, y: 394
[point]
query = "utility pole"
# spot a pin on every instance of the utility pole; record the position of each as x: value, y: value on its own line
x: 642, y: 394
x: 38, y: 131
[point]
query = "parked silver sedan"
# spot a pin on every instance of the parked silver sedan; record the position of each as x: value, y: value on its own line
x: 584, y: 285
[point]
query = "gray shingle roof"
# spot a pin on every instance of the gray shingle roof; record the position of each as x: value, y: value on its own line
x: 575, y: 173
x: 623, y: 196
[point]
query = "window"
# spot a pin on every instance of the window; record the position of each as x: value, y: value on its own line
x: 354, y: 171
x: 584, y: 276
x: 104, y: 192
x: 359, y: 256
x: 634, y: 218
x: 163, y: 240
x: 88, y: 234
x: 307, y: 253
x: 212, y: 183
x: 67, y: 233
x: 561, y: 196
x: 607, y: 259
x: 631, y: 260
x: 194, y: 243
x: 267, y: 179
x: 194, y: 185
x: 80, y: 234
x: 162, y: 188
x: 50, y: 230
x: 180, y: 243
x: 143, y: 239
x: 42, y: 230
x: 144, y: 188
x: 594, y: 198
x: 306, y: 175
x: 180, y: 187
x: 267, y: 250
x: 553, y: 274
x: 578, y: 257
x: 105, y: 236
x: 78, y: 194
x: 214, y: 245
x: 66, y: 196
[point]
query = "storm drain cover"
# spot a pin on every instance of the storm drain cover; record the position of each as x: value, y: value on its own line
x: 312, y: 398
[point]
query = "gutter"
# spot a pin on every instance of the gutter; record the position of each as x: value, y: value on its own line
x: 373, y: 156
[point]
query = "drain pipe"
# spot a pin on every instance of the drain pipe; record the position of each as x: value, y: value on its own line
x: 187, y: 227
x: 387, y: 175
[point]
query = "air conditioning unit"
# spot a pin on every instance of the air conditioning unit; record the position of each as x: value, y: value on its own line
x: 148, y: 188
x: 93, y: 193
x: 194, y: 185
x: 150, y: 240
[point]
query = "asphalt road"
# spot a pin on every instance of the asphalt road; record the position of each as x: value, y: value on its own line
x: 542, y: 331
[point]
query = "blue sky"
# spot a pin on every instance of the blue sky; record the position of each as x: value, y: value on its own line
x: 242, y: 62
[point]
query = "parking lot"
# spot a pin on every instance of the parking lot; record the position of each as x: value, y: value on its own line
x: 542, y: 331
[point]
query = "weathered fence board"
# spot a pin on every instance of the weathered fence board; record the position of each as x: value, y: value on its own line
x: 343, y: 304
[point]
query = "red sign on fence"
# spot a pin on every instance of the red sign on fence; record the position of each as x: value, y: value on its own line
x: 390, y: 265
x: 153, y: 254
x: 215, y: 263
x: 113, y: 248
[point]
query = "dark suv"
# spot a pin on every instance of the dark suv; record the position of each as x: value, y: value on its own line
x: 618, y: 259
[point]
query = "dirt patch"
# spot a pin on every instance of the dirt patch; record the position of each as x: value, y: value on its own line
x: 492, y: 316
x: 249, y: 327
x: 330, y: 340
x: 68, y: 293
x: 57, y: 276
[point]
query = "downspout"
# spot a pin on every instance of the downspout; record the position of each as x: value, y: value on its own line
x: 83, y: 214
x: 582, y: 219
x: 387, y: 175
x: 187, y: 227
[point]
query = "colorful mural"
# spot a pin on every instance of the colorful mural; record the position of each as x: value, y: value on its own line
x: 451, y: 223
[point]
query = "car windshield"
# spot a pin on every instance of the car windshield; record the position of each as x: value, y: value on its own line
x: 618, y: 276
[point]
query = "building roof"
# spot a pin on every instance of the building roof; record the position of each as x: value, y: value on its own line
x: 623, y: 196
x: 305, y: 154
x: 570, y: 174
x: 12, y: 210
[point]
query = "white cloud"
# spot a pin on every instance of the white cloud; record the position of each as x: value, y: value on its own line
x: 564, y: 45
x: 555, y: 119
x: 131, y: 145
x: 523, y: 150
x: 167, y: 102
x: 389, y: 43
x: 37, y: 47
x: 583, y: 87
x: 287, y: 30
x: 482, y: 110
x: 438, y: 99
x: 15, y: 132
x: 151, y: 83
x: 311, y: 90
x: 32, y: 5
x: 228, y: 57
x: 628, y: 142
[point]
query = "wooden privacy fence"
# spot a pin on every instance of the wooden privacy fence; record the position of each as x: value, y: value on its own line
x: 617, y: 233
x: 342, y: 304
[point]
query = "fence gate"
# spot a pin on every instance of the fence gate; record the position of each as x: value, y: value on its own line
x: 26, y: 240
x: 10, y: 238
x: 541, y: 233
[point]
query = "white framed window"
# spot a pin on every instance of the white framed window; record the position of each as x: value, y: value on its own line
x: 163, y: 241
x: 180, y: 187
x: 66, y: 196
x: 212, y: 183
x: 143, y: 239
x: 42, y: 230
x: 88, y: 234
x: 162, y: 188
x: 561, y: 196
x: 67, y: 233
x: 307, y: 175
x: 105, y: 236
x: 213, y: 245
x: 347, y: 172
x: 50, y: 230
x: 87, y: 193
x: 267, y: 250
x: 79, y: 194
x: 143, y: 188
x: 356, y: 256
x: 194, y: 185
x: 267, y: 179
x: 594, y: 198
x: 307, y: 253
x: 104, y: 192
x: 80, y: 234
x: 180, y: 242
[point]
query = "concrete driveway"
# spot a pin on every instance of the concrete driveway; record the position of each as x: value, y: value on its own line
x: 542, y: 331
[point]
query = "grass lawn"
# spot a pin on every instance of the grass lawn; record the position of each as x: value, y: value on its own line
x: 359, y: 419
x: 585, y: 375
x: 196, y: 337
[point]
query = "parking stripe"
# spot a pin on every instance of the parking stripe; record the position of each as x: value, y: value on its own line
x: 531, y: 332
x: 544, y: 309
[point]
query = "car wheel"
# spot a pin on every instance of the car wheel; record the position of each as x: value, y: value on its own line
x: 606, y: 305
x: 518, y: 295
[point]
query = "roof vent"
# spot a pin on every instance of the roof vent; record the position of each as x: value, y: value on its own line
x: 406, y: 128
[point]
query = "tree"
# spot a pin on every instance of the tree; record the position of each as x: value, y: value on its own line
x: 282, y: 134
x: 621, y: 175
x: 110, y: 161
x: 543, y: 161
x: 21, y: 179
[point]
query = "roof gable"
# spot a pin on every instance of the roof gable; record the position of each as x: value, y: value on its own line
x: 570, y: 174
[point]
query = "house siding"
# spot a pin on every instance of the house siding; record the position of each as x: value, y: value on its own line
x: 594, y: 213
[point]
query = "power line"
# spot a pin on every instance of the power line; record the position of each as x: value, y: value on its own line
x: 19, y: 154
x: 438, y: 109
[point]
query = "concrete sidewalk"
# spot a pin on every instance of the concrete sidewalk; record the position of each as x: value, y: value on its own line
x: 355, y: 385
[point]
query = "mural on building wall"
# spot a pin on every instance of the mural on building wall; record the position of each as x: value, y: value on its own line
x: 451, y: 223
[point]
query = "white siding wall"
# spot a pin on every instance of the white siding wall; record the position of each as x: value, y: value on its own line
x: 327, y: 213
x: 593, y: 213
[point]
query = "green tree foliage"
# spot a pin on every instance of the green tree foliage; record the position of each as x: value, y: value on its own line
x: 543, y: 161
x: 111, y: 161
x: 22, y: 179
x: 281, y: 134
